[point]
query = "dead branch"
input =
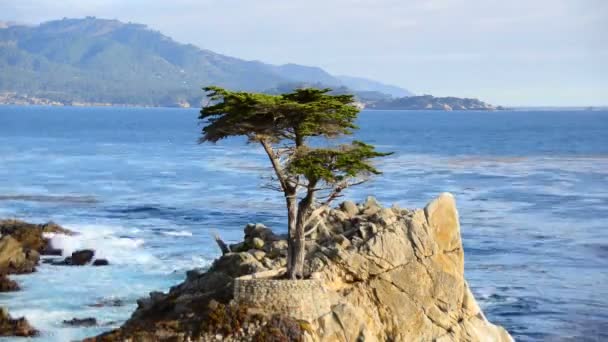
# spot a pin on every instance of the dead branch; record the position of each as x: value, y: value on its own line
x: 223, y: 246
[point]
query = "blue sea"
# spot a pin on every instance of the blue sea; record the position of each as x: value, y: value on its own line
x: 532, y: 191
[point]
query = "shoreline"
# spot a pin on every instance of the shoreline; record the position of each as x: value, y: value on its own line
x: 505, y: 109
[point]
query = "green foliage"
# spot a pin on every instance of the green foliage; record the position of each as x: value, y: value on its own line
x: 291, y: 119
x: 238, y: 113
x: 335, y: 165
x: 294, y: 116
x: 314, y: 112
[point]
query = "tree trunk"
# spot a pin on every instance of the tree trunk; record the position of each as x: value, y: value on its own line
x: 292, y: 217
x: 290, y: 191
x: 298, y: 252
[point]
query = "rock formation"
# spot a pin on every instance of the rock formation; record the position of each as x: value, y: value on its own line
x: 8, y: 285
x: 21, y: 245
x: 15, y: 327
x: 375, y: 274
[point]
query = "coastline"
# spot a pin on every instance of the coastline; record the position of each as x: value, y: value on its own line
x: 504, y: 109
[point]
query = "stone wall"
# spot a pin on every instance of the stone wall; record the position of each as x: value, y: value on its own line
x: 301, y: 299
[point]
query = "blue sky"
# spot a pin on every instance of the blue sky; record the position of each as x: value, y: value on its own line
x: 515, y: 52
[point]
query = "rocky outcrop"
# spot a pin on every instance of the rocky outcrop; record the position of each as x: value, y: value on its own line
x: 8, y: 285
x: 400, y: 277
x: 374, y: 274
x: 21, y: 245
x: 15, y: 327
x: 14, y: 258
x: 30, y: 235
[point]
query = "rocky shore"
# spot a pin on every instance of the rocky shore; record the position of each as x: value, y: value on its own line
x: 373, y: 274
x: 21, y: 246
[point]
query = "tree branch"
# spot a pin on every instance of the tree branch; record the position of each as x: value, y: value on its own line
x: 223, y: 247
x: 332, y: 196
x: 276, y: 165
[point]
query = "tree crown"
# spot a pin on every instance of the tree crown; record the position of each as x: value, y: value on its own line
x: 293, y: 116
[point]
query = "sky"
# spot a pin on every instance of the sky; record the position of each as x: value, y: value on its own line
x: 506, y: 52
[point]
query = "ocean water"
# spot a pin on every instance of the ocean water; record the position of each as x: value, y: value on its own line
x: 532, y: 191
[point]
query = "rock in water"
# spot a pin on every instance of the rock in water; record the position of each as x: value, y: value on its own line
x: 82, y: 257
x: 100, y: 262
x: 396, y: 275
x: 81, y: 322
x: 15, y: 327
x: 108, y: 302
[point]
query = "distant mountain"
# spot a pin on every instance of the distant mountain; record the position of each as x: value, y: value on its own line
x: 306, y: 74
x: 364, y: 84
x: 5, y: 24
x: 428, y: 102
x: 97, y: 61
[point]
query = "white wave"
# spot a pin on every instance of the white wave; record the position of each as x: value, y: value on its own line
x: 106, y: 243
x: 187, y: 264
x: 178, y: 233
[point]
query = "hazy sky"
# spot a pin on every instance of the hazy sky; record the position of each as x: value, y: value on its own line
x: 509, y: 52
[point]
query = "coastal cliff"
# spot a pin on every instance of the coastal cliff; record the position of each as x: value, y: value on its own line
x: 373, y: 274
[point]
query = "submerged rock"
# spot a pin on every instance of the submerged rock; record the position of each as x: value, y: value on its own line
x: 82, y: 257
x: 101, y: 262
x: 78, y: 258
x: 15, y: 327
x: 394, y: 275
x: 112, y: 302
x: 81, y: 322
